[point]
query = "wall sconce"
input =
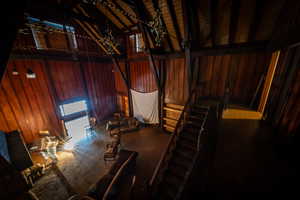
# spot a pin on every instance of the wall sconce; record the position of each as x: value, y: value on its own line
x: 30, y: 74
x: 15, y: 72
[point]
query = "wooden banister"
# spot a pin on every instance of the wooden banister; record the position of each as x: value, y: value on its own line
x: 172, y: 139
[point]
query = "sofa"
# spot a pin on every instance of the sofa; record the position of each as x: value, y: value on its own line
x: 122, y: 125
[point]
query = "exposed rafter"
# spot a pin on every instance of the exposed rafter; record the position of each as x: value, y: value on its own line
x: 174, y: 22
x: 127, y: 17
x: 156, y: 7
x: 117, y: 17
x: 235, y: 7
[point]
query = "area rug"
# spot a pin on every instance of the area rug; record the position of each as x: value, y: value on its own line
x: 76, y: 171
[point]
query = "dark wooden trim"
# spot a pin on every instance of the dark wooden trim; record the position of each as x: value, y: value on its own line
x: 58, y: 55
x: 235, y: 8
x: 238, y: 48
x: 209, y: 51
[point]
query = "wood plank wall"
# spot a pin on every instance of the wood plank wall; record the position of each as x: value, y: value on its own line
x: 27, y: 104
x: 67, y: 79
x: 176, y: 88
x: 101, y: 88
x: 242, y: 71
x: 30, y: 105
x: 288, y: 120
x: 121, y: 90
x: 142, y: 78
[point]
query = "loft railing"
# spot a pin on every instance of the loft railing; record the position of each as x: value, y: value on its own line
x: 164, y: 160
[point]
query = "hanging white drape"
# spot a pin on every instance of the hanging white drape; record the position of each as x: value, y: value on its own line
x: 145, y: 106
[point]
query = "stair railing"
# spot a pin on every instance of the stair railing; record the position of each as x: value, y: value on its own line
x: 163, y: 162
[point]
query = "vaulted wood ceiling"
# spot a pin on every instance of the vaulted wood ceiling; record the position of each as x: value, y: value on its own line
x: 211, y: 22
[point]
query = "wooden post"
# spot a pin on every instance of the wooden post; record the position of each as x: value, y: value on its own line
x: 149, y: 51
x: 187, y: 46
x: 162, y: 96
x: 127, y: 68
x: 268, y: 81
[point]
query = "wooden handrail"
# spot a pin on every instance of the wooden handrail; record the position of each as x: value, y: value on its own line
x: 116, y: 177
x: 158, y: 166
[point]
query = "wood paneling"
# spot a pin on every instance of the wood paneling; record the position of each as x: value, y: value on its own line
x: 242, y: 71
x: 30, y: 105
x: 283, y: 107
x: 27, y: 104
x: 176, y: 81
x: 67, y: 79
x: 101, y: 88
x: 121, y: 90
x: 290, y: 121
x: 142, y: 78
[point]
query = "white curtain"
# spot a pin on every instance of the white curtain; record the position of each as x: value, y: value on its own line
x: 145, y: 106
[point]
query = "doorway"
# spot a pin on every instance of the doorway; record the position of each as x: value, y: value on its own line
x: 76, y: 120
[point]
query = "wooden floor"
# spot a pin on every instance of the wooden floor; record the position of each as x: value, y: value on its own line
x: 245, y: 159
x: 79, y: 169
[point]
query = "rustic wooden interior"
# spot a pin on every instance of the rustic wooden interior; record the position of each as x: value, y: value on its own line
x: 239, y: 57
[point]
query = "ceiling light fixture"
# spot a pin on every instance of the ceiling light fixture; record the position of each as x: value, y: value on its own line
x: 30, y: 74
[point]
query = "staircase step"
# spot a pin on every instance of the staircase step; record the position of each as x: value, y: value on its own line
x: 190, y: 137
x: 201, y: 107
x: 173, y: 181
x: 177, y: 170
x: 186, y: 154
x: 196, y: 117
x: 190, y: 130
x: 194, y: 124
x: 167, y: 191
x: 181, y: 162
x: 186, y: 146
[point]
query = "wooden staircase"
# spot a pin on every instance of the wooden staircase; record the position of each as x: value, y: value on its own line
x: 177, y: 162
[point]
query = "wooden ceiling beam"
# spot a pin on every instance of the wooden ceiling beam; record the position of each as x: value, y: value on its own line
x: 127, y: 17
x: 187, y: 42
x: 259, y: 10
x: 8, y: 34
x: 117, y: 17
x: 96, y: 32
x: 213, y: 20
x: 97, y: 14
x: 287, y: 27
x: 139, y: 5
x: 174, y: 22
x: 235, y: 7
x: 156, y: 6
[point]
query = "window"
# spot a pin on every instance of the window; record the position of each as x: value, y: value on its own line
x: 137, y: 42
x: 56, y: 39
x: 73, y: 107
